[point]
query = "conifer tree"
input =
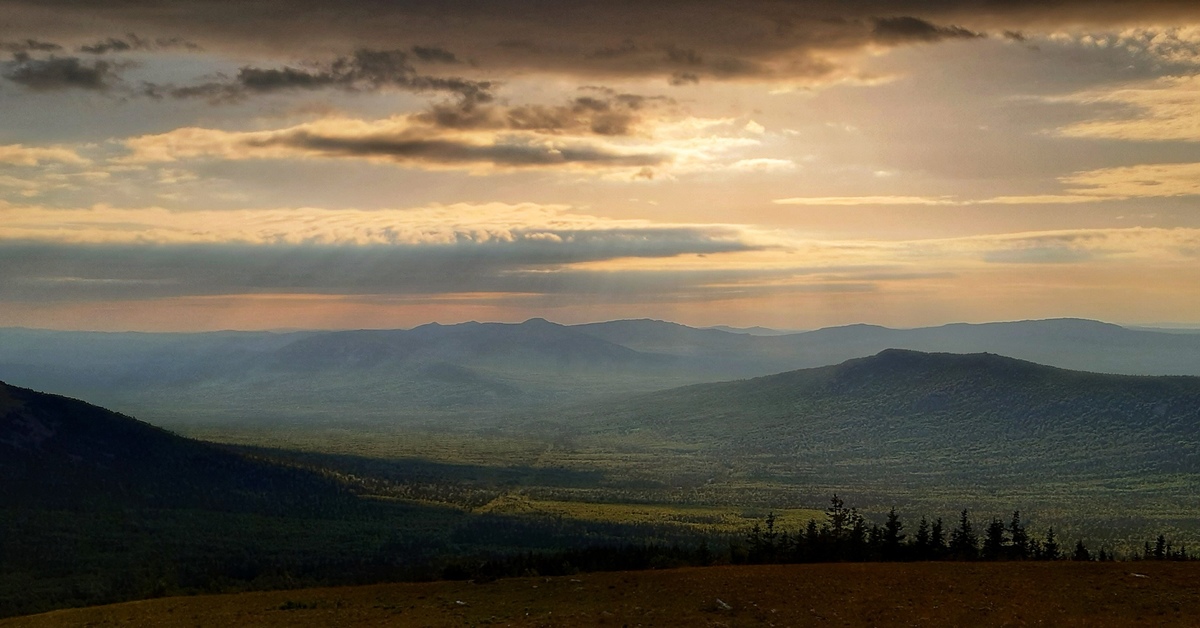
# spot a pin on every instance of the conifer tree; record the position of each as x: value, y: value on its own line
x: 754, y: 543
x: 858, y: 535
x: 937, y: 539
x: 892, y: 535
x: 875, y: 537
x: 837, y: 518
x: 769, y: 536
x: 1050, y: 549
x: 921, y: 542
x: 1019, y: 549
x: 993, y: 540
x: 963, y: 543
x: 812, y: 540
x: 1081, y: 552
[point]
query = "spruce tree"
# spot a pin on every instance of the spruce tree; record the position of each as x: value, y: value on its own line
x: 838, y: 518
x: 937, y: 539
x: 922, y: 540
x: 812, y: 549
x: 1050, y: 549
x: 754, y: 543
x: 892, y: 536
x: 1081, y: 552
x: 1020, y: 538
x: 993, y: 540
x: 964, y: 545
x: 858, y: 535
x: 769, y: 536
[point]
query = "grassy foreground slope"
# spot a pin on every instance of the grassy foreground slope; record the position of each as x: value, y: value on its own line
x: 933, y: 594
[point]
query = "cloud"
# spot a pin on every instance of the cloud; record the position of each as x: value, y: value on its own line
x: 29, y: 45
x: 132, y: 42
x: 523, y: 251
x: 434, y: 225
x: 520, y: 152
x: 58, y: 73
x: 1089, y: 186
x: 601, y: 112
x: 21, y: 155
x: 866, y: 200
x: 113, y: 44
x: 815, y: 42
x: 118, y: 253
x: 763, y: 164
x: 1167, y: 109
x: 1140, y: 181
x: 363, y: 70
x: 681, y: 43
x: 399, y: 140
x: 904, y: 29
x: 433, y: 54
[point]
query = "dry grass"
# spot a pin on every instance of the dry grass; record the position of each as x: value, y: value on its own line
x: 925, y: 594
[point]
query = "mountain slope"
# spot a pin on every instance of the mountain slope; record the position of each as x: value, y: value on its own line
x: 914, y: 394
x: 909, y: 425
x: 57, y: 452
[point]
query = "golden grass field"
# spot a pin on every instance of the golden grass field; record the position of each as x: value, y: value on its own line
x: 875, y: 594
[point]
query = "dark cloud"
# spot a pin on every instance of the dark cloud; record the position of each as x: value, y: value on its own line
x: 674, y: 40
x: 132, y: 42
x: 904, y: 29
x: 271, y: 79
x: 113, y: 44
x: 684, y: 78
x: 364, y: 70
x: 58, y: 73
x: 604, y: 113
x: 1015, y: 35
x: 680, y: 42
x: 48, y: 272
x: 453, y: 152
x: 29, y: 45
x: 434, y: 54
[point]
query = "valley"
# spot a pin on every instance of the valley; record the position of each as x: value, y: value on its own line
x: 101, y: 507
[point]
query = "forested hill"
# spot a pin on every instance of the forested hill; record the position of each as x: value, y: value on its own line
x: 940, y: 417
x: 62, y: 452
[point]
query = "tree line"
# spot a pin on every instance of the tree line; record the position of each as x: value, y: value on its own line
x: 845, y: 535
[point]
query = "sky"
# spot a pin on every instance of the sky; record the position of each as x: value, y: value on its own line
x: 271, y: 164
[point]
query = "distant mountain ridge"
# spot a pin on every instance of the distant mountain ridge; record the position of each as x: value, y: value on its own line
x: 435, y: 371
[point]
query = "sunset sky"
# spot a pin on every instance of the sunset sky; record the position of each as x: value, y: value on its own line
x: 273, y: 164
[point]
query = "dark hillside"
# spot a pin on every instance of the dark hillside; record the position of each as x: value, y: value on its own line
x: 57, y: 452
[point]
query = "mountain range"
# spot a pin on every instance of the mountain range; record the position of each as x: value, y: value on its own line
x: 433, y: 372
